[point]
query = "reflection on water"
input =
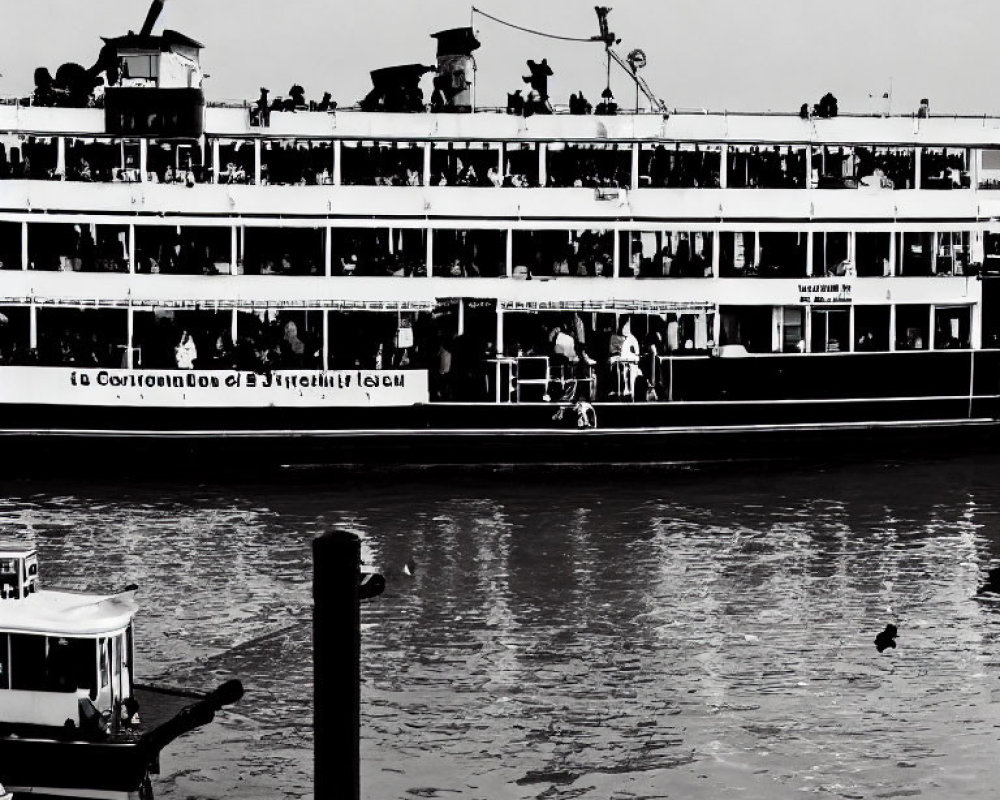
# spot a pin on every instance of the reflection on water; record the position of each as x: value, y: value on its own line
x: 602, y: 636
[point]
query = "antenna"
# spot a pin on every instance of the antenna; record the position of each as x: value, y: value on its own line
x: 155, y: 9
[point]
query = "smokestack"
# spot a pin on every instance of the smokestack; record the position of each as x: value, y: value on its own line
x: 456, y: 66
x: 155, y: 9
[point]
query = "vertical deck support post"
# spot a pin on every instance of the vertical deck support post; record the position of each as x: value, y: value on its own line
x: 336, y: 665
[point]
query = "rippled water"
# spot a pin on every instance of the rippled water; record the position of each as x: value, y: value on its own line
x: 604, y: 635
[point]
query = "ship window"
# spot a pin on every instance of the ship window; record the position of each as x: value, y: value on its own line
x: 470, y: 253
x: 466, y: 164
x: 520, y: 164
x: 372, y: 163
x: 912, y: 322
x: 176, y: 162
x: 666, y: 254
x: 793, y: 331
x: 296, y: 161
x: 73, y: 247
x: 783, y: 254
x: 766, y: 167
x: 183, y: 250
x: 583, y: 253
x: 284, y: 251
x: 379, y: 252
x: 236, y: 161
x: 871, y: 328
x: 93, y: 160
x: 885, y: 167
x: 157, y: 333
x: 989, y: 171
x: 105, y: 662
x: 830, y: 330
x: 12, y: 157
x: 42, y: 156
x: 143, y: 66
x: 917, y: 250
x: 872, y: 254
x: 737, y: 254
x: 951, y: 327
x: 81, y: 337
x: 952, y: 254
x: 10, y: 245
x: 831, y: 251
x: 944, y: 168
x: 14, y: 350
x: 589, y: 164
x: 679, y: 165
x: 4, y: 661
x: 749, y: 326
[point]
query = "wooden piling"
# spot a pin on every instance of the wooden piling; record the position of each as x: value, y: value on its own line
x: 337, y: 666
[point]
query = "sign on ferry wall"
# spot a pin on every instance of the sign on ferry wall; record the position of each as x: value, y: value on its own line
x: 820, y: 291
x: 212, y: 388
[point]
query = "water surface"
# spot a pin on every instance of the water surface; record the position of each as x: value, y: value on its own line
x: 597, y: 635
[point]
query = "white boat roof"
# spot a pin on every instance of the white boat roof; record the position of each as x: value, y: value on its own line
x: 55, y: 613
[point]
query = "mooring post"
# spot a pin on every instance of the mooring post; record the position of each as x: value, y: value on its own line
x: 337, y: 666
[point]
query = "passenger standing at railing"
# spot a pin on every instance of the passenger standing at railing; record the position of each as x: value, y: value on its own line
x: 185, y: 352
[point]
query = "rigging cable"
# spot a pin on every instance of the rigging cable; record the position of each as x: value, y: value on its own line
x: 530, y: 30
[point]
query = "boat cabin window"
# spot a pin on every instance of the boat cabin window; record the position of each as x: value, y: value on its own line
x: 183, y: 249
x: 470, y: 253
x: 952, y: 254
x: 579, y: 253
x: 467, y: 164
x: 41, y: 154
x: 589, y: 164
x: 737, y: 255
x: 666, y: 254
x: 283, y: 251
x: 873, y: 254
x: 145, y: 66
x: 289, y: 162
x: 944, y: 168
x: 912, y: 322
x: 82, y: 337
x: 679, y: 165
x: 411, y: 340
x: 46, y: 663
x: 15, y: 347
x: 99, y: 160
x: 952, y: 326
x: 375, y: 163
x: 918, y: 256
x: 166, y: 338
x: 830, y: 330
x: 287, y: 339
x: 766, y: 166
x: 791, y: 328
x: 379, y: 252
x: 871, y: 328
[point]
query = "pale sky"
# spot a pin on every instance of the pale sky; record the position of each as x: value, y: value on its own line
x: 745, y: 55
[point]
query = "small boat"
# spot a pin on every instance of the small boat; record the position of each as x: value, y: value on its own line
x: 73, y: 722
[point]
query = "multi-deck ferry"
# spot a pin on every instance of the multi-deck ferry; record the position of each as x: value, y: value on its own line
x: 400, y: 282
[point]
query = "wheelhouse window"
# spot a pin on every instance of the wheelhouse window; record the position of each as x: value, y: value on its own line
x: 766, y: 166
x: 467, y: 164
x: 873, y: 254
x: 737, y: 254
x: 379, y: 252
x: 182, y: 249
x: 376, y: 163
x: 579, y: 253
x: 78, y: 247
x: 871, y: 328
x: 681, y: 165
x: 145, y: 66
x: 944, y: 168
x: 831, y: 253
x: 912, y: 323
x: 295, y: 162
x: 783, y: 254
x: 590, y: 164
x: 470, y: 253
x: 952, y: 327
x: 666, y: 254
x: 82, y: 337
x: 284, y: 251
x: 830, y: 330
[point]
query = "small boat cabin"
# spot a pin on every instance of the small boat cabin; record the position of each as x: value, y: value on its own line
x: 65, y: 657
